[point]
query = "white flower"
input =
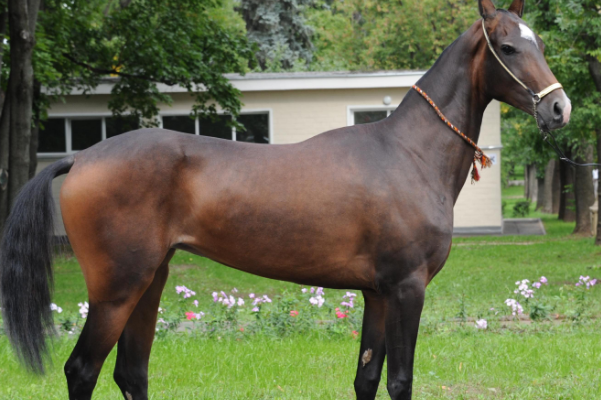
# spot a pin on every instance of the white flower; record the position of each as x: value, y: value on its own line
x: 54, y: 307
x: 481, y: 324
x: 240, y: 301
x: 84, y: 309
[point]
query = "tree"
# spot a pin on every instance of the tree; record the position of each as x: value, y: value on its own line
x: 388, y: 34
x: 280, y: 31
x: 140, y: 43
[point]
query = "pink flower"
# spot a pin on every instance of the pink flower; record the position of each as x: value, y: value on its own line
x: 256, y: 309
x: 537, y: 285
x: 340, y: 315
x: 190, y: 315
x: 195, y: 303
x: 543, y: 280
x: 252, y: 295
x: 293, y: 313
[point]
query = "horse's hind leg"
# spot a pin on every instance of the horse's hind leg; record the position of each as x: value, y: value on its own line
x: 131, y: 369
x: 373, y: 347
x: 115, y: 285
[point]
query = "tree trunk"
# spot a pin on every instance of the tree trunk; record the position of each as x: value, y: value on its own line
x: 594, y: 67
x: 540, y: 193
x: 35, y: 129
x: 530, y: 182
x: 548, y: 187
x: 556, y: 187
x: 567, y: 210
x: 22, y: 18
x: 584, y: 192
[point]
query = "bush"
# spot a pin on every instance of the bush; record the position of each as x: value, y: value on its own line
x: 521, y: 209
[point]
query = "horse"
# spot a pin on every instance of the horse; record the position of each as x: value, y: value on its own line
x: 367, y: 207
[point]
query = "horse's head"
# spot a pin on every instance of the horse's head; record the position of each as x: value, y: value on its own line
x: 520, y: 50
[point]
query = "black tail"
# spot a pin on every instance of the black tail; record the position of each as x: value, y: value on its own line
x: 26, y: 267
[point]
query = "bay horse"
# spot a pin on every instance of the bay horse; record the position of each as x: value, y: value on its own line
x: 366, y: 207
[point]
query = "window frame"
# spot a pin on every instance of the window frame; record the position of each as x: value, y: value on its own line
x: 68, y: 117
x: 351, y: 110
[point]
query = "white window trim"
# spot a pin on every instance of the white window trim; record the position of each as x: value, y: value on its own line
x: 350, y: 121
x: 103, y: 115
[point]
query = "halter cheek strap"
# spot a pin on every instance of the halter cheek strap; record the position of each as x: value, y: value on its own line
x: 536, y: 97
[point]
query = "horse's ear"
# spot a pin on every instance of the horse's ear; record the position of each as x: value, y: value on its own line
x: 517, y: 7
x: 487, y: 9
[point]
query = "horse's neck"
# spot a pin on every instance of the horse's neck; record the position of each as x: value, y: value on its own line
x: 454, y: 84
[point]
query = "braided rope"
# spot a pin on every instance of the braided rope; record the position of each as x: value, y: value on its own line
x: 479, y: 156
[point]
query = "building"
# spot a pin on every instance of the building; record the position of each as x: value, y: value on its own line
x: 280, y: 108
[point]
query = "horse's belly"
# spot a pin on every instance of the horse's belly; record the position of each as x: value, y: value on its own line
x: 309, y: 248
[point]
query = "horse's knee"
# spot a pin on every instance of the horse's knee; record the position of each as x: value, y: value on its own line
x: 400, y: 388
x: 81, y: 378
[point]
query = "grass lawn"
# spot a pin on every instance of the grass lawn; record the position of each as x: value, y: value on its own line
x: 544, y: 360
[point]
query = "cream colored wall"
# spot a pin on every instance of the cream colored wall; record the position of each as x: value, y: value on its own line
x: 299, y: 115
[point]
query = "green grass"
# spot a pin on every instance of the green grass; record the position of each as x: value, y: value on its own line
x: 458, y: 365
x: 546, y: 360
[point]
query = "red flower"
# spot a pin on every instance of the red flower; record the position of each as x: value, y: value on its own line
x: 293, y: 313
x: 354, y: 334
x: 190, y: 315
x: 241, y: 329
x: 341, y: 315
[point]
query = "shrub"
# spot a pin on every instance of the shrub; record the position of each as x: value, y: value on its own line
x: 521, y: 209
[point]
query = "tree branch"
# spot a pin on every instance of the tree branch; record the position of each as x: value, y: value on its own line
x: 113, y: 71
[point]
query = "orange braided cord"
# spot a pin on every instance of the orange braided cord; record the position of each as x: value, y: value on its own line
x: 479, y: 156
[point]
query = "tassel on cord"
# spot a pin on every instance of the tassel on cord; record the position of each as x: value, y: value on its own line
x: 484, y: 161
x: 475, y: 174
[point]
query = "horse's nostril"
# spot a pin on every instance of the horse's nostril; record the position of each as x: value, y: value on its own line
x: 557, y: 110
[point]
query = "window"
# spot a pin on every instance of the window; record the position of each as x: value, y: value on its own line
x: 85, y: 133
x: 52, y: 136
x: 183, y: 124
x: 369, y: 116
x: 217, y: 127
x: 118, y: 125
x: 59, y: 136
x: 256, y: 126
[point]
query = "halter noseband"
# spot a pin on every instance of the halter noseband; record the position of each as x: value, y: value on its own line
x: 536, y: 97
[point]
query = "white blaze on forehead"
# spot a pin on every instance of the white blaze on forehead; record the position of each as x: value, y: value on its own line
x: 528, y: 34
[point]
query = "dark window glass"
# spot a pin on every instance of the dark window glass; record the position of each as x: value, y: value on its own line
x: 85, y: 133
x: 118, y: 125
x: 257, y: 128
x: 52, y: 136
x: 366, y: 117
x: 183, y: 124
x: 216, y: 128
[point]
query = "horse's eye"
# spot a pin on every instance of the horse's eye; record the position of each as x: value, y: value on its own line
x: 507, y: 49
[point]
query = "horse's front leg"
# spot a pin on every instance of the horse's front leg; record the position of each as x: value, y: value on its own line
x: 373, y: 347
x: 404, y: 308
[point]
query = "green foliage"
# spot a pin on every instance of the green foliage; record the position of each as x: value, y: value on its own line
x: 280, y: 32
x: 143, y: 43
x: 521, y: 209
x: 387, y: 34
